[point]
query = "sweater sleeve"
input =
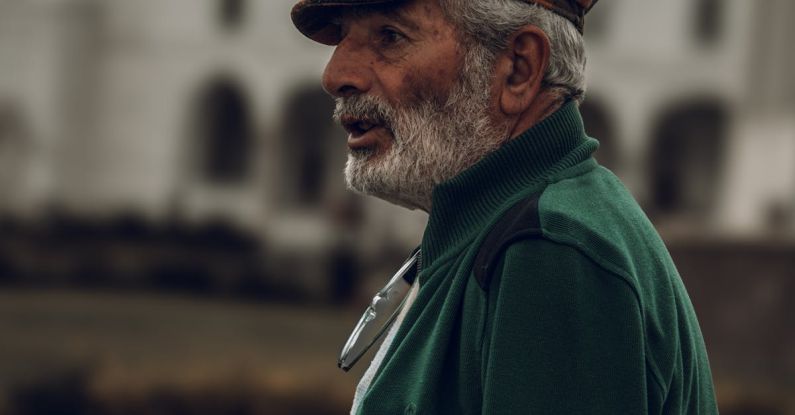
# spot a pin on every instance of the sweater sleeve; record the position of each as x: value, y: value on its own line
x: 564, y: 336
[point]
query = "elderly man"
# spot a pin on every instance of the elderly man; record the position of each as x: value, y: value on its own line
x: 540, y: 287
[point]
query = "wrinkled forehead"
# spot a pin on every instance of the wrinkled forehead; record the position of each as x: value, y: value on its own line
x: 394, y: 12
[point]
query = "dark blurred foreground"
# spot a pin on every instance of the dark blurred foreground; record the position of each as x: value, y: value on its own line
x: 127, y: 252
x: 66, y: 352
x: 742, y: 293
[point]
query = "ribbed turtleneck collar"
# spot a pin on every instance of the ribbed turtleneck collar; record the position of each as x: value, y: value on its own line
x: 463, y: 205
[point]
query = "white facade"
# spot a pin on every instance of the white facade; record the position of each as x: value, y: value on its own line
x: 649, y: 59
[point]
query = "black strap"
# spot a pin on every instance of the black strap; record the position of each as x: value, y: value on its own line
x: 519, y: 222
x: 411, y: 274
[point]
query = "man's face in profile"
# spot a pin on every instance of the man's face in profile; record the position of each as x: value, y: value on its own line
x: 414, y: 98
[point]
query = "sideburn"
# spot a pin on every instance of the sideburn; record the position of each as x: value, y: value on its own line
x: 424, y: 87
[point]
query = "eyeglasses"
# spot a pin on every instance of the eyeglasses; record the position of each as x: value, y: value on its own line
x: 380, y: 314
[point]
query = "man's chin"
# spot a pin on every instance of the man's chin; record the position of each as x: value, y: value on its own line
x: 363, y: 174
x: 369, y: 176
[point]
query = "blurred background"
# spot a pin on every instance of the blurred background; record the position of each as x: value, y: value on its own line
x: 175, y: 236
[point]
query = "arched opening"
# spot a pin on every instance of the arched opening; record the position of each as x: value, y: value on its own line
x: 708, y: 19
x: 312, y: 153
x: 687, y: 155
x: 313, y: 146
x: 231, y: 13
x: 224, y: 133
x: 599, y: 124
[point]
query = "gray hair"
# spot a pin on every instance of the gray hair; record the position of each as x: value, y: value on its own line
x: 490, y: 23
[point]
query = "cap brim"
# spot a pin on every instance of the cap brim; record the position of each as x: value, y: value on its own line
x: 313, y: 18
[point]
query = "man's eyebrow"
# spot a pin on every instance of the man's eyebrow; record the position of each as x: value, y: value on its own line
x: 396, y: 15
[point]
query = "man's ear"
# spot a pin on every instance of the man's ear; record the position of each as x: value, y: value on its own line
x: 521, y: 68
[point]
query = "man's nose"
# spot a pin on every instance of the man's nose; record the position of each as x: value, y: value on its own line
x: 347, y: 72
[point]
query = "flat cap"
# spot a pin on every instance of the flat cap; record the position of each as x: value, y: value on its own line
x: 313, y: 18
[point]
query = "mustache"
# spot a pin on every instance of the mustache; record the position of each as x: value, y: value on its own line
x: 364, y: 107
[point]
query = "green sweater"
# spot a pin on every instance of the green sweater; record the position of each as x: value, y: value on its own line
x: 588, y: 317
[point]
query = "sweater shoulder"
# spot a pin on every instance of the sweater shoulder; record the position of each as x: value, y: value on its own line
x: 595, y: 213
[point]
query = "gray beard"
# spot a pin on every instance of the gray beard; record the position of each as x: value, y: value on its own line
x: 434, y: 140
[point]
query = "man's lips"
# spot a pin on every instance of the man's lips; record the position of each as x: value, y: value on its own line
x: 362, y: 133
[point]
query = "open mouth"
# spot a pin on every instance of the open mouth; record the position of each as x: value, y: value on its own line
x: 358, y: 127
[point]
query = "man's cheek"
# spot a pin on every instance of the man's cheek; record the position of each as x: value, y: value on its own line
x: 419, y: 88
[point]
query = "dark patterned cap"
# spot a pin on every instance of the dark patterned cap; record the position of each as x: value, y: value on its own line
x: 313, y: 18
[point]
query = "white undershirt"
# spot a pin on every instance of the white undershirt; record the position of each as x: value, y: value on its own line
x: 367, y: 378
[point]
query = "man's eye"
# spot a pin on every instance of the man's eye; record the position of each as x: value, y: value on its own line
x: 390, y: 36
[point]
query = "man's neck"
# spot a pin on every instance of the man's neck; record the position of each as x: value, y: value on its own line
x: 542, y: 107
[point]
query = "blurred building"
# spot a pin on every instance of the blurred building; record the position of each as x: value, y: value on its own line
x: 182, y: 110
x: 693, y: 103
x: 212, y: 110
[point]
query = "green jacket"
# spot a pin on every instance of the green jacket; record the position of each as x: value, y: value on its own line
x: 586, y: 316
